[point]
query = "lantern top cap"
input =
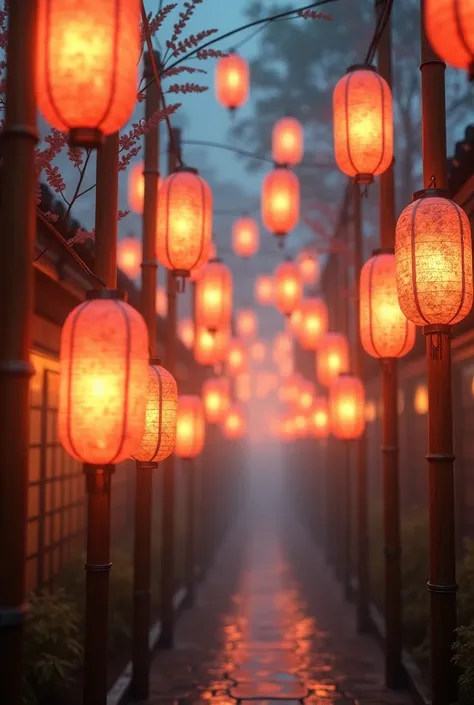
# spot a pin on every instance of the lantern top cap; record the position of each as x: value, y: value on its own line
x: 431, y: 193
x: 361, y: 67
x: 156, y: 361
x: 215, y: 259
x: 111, y: 294
x: 383, y: 251
x: 187, y: 170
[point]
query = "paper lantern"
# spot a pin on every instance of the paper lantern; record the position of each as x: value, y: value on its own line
x: 232, y: 81
x: 295, y: 321
x: 264, y: 290
x: 243, y: 387
x: 449, y: 26
x: 186, y: 331
x: 129, y: 256
x: 305, y: 396
x: 347, y: 407
x: 300, y: 425
x: 234, y: 425
x: 245, y: 237
x: 211, y: 348
x: 246, y: 323
x: 434, y: 260
x: 282, y: 347
x: 421, y: 401
x: 363, y: 124
x: 314, y: 323
x: 385, y: 332
x: 214, y: 296
x: 161, y: 410
x: 237, y: 358
x: 370, y: 412
x: 190, y: 427
x: 332, y: 358
x: 319, y: 418
x: 289, y: 390
x: 216, y: 398
x: 103, y: 379
x: 161, y: 301
x: 211, y: 254
x: 87, y: 57
x: 308, y: 265
x: 280, y: 202
x: 136, y: 187
x: 184, y: 222
x: 287, y: 142
x: 258, y: 351
x: 288, y: 287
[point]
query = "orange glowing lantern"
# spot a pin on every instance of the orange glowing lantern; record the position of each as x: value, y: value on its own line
x: 87, y: 56
x: 314, y: 323
x: 287, y: 142
x: 234, y: 425
x: 103, y: 380
x: 258, y: 351
x: 434, y: 260
x: 129, y: 256
x: 295, y: 321
x: 319, y: 418
x: 161, y: 410
x: 264, y: 290
x: 211, y: 348
x: 232, y: 81
x: 190, y: 427
x: 308, y: 265
x: 184, y: 225
x: 288, y: 287
x: 246, y: 323
x: 237, y: 358
x: 243, y: 387
x: 214, y: 296
x: 289, y: 390
x: 245, y: 237
x: 186, y: 331
x: 136, y: 187
x: 305, y: 395
x: 280, y: 202
x: 347, y: 407
x: 332, y: 358
x: 161, y: 301
x: 363, y: 124
x: 300, y: 425
x: 449, y: 27
x: 384, y: 330
x: 286, y: 429
x: 216, y: 398
x: 211, y: 254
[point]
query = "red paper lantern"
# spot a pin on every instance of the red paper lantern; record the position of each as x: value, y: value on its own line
x: 211, y: 348
x: 237, y: 358
x: 264, y: 290
x: 136, y: 187
x: 129, y: 256
x: 246, y: 323
x: 186, y: 331
x: 234, y: 425
x: 243, y: 387
x: 184, y: 223
x: 216, y: 398
x: 319, y: 418
x: 280, y: 203
x: 314, y: 323
x: 301, y: 425
x: 385, y: 332
x: 245, y: 237
x: 103, y: 380
x: 232, y: 81
x: 161, y: 410
x: 211, y: 254
x: 287, y: 142
x: 305, y: 396
x: 363, y: 124
x: 161, y: 301
x: 433, y: 254
x: 308, y: 265
x: 332, y: 358
x: 258, y: 351
x: 288, y: 287
x: 87, y: 56
x: 214, y: 296
x: 191, y: 427
x: 450, y: 26
x: 347, y: 407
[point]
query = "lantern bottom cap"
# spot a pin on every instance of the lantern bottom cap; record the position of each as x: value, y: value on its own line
x: 364, y: 179
x: 87, y: 137
x: 146, y: 464
x: 180, y: 273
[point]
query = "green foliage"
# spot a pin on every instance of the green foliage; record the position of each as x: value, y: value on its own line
x: 464, y: 659
x: 53, y: 650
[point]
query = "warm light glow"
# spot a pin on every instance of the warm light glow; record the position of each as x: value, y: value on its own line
x: 301, y: 425
x: 161, y: 410
x: 232, y: 79
x: 211, y: 254
x: 295, y: 321
x: 216, y: 398
x: 246, y: 323
x: 370, y: 412
x: 186, y: 332
x: 280, y: 202
x: 87, y: 57
x: 103, y: 381
x: 245, y: 237
x: 289, y: 390
x: 211, y: 348
x: 305, y: 396
x: 288, y: 287
x: 363, y: 124
x: 450, y: 29
x: 332, y: 358
x: 129, y: 256
x: 136, y: 187
x: 237, y: 358
x: 214, y: 296
x: 347, y: 407
x: 234, y: 425
x: 258, y: 351
x: 243, y: 387
x: 184, y: 222
x: 264, y: 290
x: 385, y: 332
x: 161, y: 301
x: 191, y: 427
x: 287, y: 142
x: 434, y: 261
x: 421, y: 399
x: 319, y: 418
x: 314, y: 323
x: 308, y: 265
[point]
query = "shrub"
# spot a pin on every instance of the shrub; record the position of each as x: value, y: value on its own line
x: 464, y: 659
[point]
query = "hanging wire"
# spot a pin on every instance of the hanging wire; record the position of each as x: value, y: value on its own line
x: 380, y: 26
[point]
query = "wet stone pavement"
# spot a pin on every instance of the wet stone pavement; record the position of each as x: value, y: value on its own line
x: 268, y: 628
